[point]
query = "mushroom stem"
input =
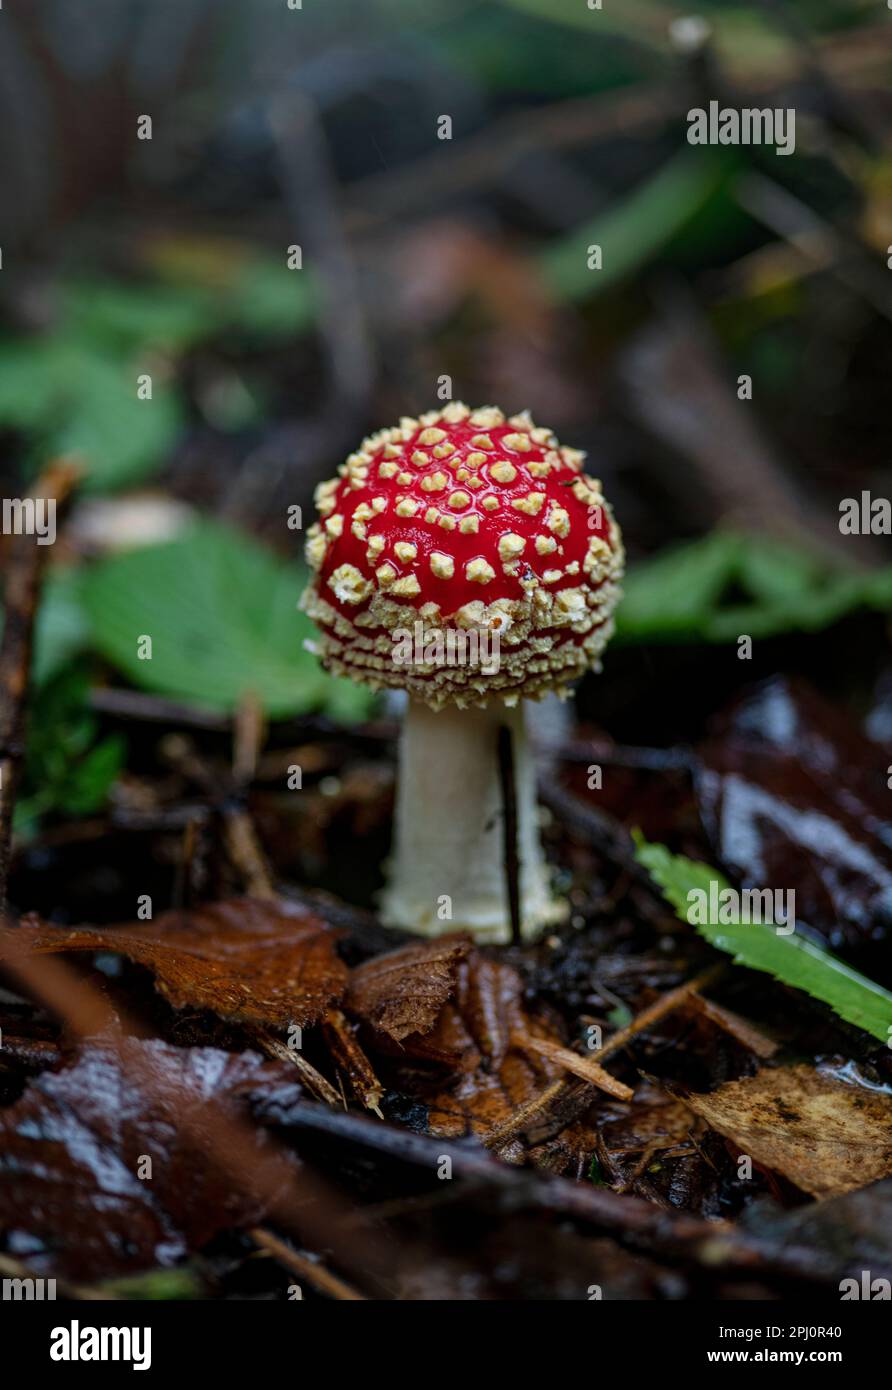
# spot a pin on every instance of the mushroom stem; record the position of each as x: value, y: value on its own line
x: 448, y: 865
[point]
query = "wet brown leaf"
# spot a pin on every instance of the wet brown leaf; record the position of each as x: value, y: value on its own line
x: 72, y: 1200
x: 269, y: 963
x: 654, y: 1122
x: 479, y: 1032
x: 403, y: 991
x: 826, y: 1136
x: 792, y: 794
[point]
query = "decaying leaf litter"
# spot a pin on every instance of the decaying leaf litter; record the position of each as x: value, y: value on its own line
x: 595, y: 1091
x: 415, y: 1050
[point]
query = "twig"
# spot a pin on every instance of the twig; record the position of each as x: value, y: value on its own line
x: 666, y: 1004
x: 239, y: 835
x: 244, y: 849
x: 565, y: 125
x: 637, y: 1223
x: 586, y: 1068
x: 310, y: 192
x: 525, y: 1114
x: 25, y: 563
x: 352, y: 1060
x: 313, y: 1079
x: 822, y: 245
x: 137, y: 704
x: 605, y: 834
x: 248, y: 740
x: 738, y: 1028
x: 32, y: 1053
x: 316, y: 1274
x: 182, y: 888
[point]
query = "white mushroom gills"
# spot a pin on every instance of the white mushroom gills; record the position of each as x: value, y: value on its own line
x: 448, y: 866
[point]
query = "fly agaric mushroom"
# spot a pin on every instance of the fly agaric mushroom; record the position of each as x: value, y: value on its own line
x: 456, y: 528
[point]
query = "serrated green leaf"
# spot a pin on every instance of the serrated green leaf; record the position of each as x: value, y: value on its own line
x: 794, y: 960
x: 221, y: 612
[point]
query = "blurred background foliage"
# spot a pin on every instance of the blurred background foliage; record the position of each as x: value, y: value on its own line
x: 317, y: 127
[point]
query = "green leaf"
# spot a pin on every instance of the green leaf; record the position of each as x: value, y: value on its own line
x: 682, y: 594
x: 120, y: 437
x: 635, y: 229
x: 74, y: 390
x: 71, y: 396
x: 60, y: 632
x: 253, y: 292
x: 91, y: 779
x: 221, y: 612
x: 793, y: 959
x: 595, y: 1173
x: 133, y: 315
x: 31, y: 380
x: 65, y: 769
x: 269, y: 301
x: 673, y: 593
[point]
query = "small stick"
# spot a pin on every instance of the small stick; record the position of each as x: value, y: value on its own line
x: 139, y: 705
x: 182, y: 888
x: 586, y: 1068
x: 352, y: 1060
x: 312, y: 1079
x: 248, y: 741
x: 509, y: 803
x: 321, y: 1278
x: 673, y: 999
x: 25, y: 563
x: 246, y: 853
x: 517, y: 1122
x: 666, y: 1004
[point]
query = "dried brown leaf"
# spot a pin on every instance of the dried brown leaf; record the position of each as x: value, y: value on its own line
x: 269, y: 963
x: 403, y: 991
x: 826, y: 1136
x: 479, y: 1032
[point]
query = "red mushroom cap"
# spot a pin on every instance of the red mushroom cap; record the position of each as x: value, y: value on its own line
x: 466, y: 522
